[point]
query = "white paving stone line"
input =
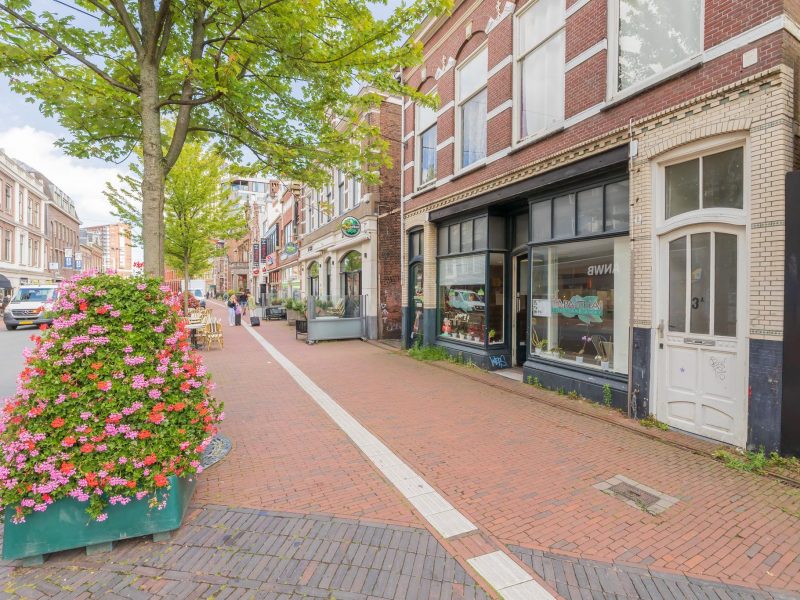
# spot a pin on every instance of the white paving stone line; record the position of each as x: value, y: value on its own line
x: 431, y: 505
x: 510, y: 580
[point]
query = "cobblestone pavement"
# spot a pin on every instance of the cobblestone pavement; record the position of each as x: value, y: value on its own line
x: 524, y: 471
x: 582, y: 579
x: 223, y: 553
x: 296, y: 510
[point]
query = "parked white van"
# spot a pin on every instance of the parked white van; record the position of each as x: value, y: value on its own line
x: 30, y: 305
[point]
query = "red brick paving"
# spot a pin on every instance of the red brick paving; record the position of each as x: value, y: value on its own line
x: 524, y: 470
x: 287, y: 454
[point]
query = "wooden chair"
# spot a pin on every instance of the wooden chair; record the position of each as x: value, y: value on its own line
x: 213, y: 333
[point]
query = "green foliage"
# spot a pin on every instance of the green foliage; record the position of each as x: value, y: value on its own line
x: 652, y: 422
x: 198, y: 211
x: 574, y: 395
x: 111, y: 401
x: 758, y: 461
x: 607, y: 395
x: 428, y: 353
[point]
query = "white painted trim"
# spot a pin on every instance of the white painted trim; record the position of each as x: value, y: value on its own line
x: 790, y: 26
x: 445, y: 144
x: 407, y: 104
x: 575, y: 8
x: 586, y: 55
x: 408, y: 166
x: 499, y: 109
x: 499, y: 67
x: 745, y: 38
x: 409, y: 135
x: 508, y: 8
x: 583, y: 115
x: 445, y: 108
x: 499, y: 154
x: 447, y: 64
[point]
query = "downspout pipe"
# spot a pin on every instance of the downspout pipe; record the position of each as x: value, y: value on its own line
x: 404, y: 320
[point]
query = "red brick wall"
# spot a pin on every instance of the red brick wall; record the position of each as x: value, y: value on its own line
x: 585, y: 85
x: 389, y: 287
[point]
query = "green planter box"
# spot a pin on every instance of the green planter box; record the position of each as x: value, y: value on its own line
x: 65, y: 524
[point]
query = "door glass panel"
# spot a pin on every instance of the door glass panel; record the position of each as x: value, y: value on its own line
x: 683, y: 187
x: 725, y: 279
x: 590, y: 211
x: 700, y: 273
x: 443, y: 232
x: 455, y: 238
x: 677, y: 285
x: 523, y: 278
x: 723, y: 179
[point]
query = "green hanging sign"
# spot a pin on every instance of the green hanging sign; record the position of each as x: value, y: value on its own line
x: 351, y: 226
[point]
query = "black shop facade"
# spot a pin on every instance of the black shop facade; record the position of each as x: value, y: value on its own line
x: 537, y: 276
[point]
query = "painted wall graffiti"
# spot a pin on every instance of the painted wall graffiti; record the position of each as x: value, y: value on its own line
x: 499, y: 361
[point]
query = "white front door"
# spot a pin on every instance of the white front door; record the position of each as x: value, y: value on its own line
x: 701, y: 365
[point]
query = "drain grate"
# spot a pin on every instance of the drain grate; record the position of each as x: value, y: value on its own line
x: 635, y: 494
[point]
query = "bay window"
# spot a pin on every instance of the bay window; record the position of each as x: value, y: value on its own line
x: 655, y: 36
x: 540, y: 66
x: 471, y: 120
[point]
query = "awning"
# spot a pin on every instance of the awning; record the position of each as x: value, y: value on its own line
x: 5, y: 283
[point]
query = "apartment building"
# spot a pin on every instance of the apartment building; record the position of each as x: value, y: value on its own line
x: 598, y: 204
x: 22, y: 227
x: 350, y: 234
x: 91, y: 252
x: 115, y: 239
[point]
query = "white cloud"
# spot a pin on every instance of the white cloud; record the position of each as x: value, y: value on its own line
x: 82, y: 180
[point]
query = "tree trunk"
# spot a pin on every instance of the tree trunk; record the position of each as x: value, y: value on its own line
x: 153, y: 174
x: 185, y: 284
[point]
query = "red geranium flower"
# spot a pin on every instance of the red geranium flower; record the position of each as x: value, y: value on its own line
x: 144, y: 434
x: 69, y: 441
x: 160, y: 480
x: 43, y: 326
x: 156, y: 417
x: 96, y: 365
x: 66, y: 467
x: 83, y: 306
x: 104, y: 385
x: 150, y: 459
x: 57, y: 422
x: 92, y: 376
x: 64, y: 377
x: 86, y: 448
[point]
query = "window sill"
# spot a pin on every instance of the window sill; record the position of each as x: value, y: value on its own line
x: 541, y: 359
x: 428, y: 185
x: 618, y: 98
x: 467, y: 170
x: 533, y: 139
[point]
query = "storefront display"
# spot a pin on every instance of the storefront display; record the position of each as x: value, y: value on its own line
x: 579, y: 302
x: 462, y: 297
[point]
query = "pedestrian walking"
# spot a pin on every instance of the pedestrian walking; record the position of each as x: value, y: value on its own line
x: 242, y: 298
x: 231, y: 311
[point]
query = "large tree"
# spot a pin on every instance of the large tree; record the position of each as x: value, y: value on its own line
x: 267, y: 76
x: 199, y: 210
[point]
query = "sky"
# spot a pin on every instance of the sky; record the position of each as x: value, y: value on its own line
x: 27, y: 135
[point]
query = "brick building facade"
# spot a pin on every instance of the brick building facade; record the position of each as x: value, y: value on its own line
x: 350, y: 244
x: 599, y: 200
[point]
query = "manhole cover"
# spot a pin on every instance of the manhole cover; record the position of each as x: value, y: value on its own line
x: 634, y: 494
x: 216, y: 451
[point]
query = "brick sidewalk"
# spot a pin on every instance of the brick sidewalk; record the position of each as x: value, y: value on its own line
x: 525, y: 471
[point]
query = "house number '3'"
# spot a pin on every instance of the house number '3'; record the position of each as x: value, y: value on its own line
x: 696, y: 302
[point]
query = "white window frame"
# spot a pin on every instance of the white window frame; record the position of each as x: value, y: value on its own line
x: 518, y: 58
x: 612, y: 70
x: 459, y: 102
x: 418, y: 185
x: 706, y: 147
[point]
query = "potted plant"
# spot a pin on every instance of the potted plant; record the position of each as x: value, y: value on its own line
x: 541, y: 345
x: 291, y: 311
x: 492, y: 333
x: 117, y: 410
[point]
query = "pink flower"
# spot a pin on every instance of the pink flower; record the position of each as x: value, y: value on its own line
x: 102, y: 517
x: 154, y: 394
x: 127, y: 327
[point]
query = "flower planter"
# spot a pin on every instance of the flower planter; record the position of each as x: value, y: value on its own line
x: 537, y: 351
x: 291, y: 316
x: 65, y: 524
x: 579, y: 360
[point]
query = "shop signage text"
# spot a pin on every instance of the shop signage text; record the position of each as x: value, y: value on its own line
x: 600, y: 269
x: 588, y: 309
x: 291, y: 248
x: 351, y: 226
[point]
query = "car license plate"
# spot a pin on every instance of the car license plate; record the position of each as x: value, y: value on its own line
x: 26, y: 322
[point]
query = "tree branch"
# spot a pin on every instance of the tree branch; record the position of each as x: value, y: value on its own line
x: 68, y: 51
x: 127, y: 23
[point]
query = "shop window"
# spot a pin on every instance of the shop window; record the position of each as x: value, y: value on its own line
x: 655, y: 38
x: 462, y: 298
x: 313, y: 279
x: 466, y: 236
x: 495, y: 299
x: 540, y: 65
x: 471, y: 91
x: 580, y: 294
x: 713, y: 181
x: 592, y: 211
x: 415, y: 286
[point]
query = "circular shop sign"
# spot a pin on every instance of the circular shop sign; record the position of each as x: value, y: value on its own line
x: 351, y: 226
